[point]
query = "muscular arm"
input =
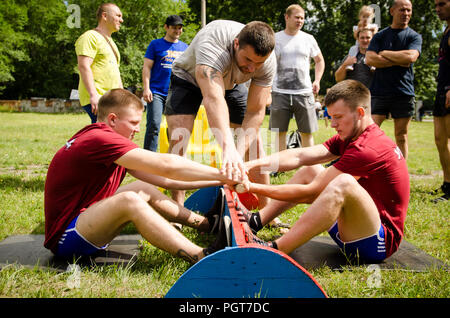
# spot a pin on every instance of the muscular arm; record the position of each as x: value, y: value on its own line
x: 376, y: 60
x: 402, y: 58
x: 172, y: 184
x: 258, y: 97
x: 297, y: 193
x: 290, y: 159
x: 211, y: 84
x: 170, y: 166
x: 391, y: 58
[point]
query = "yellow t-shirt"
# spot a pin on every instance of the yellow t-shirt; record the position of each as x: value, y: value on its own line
x: 105, y: 66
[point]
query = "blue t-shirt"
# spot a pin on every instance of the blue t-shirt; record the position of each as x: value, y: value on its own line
x: 163, y: 53
x: 395, y: 80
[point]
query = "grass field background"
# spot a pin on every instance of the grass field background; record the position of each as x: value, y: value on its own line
x: 28, y: 142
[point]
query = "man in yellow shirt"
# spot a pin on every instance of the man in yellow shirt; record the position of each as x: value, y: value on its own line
x: 99, y: 59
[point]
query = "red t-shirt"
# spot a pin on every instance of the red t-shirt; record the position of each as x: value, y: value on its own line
x: 383, y: 173
x: 81, y: 173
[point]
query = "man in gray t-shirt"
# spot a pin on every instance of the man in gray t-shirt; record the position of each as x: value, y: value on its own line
x: 221, y: 56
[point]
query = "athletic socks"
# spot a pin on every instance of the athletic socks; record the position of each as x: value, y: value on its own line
x: 252, y: 238
x: 255, y: 222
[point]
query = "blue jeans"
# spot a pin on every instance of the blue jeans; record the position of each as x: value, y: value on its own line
x: 154, y: 114
x: 88, y: 110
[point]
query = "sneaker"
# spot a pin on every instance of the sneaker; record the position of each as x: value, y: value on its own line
x: 242, y: 212
x: 252, y: 238
x: 442, y: 189
x: 223, y: 238
x: 442, y: 198
x: 214, y: 214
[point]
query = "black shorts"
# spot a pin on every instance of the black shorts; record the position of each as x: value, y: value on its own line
x: 397, y: 106
x: 439, y: 109
x: 185, y: 98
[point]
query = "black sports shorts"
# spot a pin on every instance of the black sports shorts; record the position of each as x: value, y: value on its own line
x: 185, y: 98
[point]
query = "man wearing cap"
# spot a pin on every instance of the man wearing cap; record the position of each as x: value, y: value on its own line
x: 156, y: 72
x: 220, y: 59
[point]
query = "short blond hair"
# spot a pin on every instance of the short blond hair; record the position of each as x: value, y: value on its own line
x: 292, y: 8
x: 115, y: 100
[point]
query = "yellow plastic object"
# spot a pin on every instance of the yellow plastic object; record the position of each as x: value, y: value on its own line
x: 200, y: 147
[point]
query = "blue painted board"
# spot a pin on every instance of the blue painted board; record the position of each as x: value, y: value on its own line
x: 245, y: 272
x: 202, y: 200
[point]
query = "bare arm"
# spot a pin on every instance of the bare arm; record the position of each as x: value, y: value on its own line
x: 290, y: 159
x: 171, y: 184
x: 401, y: 58
x: 84, y: 66
x: 341, y: 72
x: 258, y: 97
x: 376, y: 60
x: 171, y: 166
x: 296, y: 193
x: 211, y: 84
x: 146, y: 72
x: 319, y: 68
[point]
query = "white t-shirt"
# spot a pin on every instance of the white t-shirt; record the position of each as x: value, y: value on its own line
x: 294, y: 53
x: 213, y: 46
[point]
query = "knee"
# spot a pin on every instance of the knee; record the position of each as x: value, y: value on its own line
x: 132, y: 201
x: 342, y: 185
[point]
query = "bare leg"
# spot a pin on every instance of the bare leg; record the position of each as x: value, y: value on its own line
x: 303, y: 176
x: 180, y: 129
x: 442, y: 137
x: 166, y: 207
x: 344, y: 201
x: 101, y: 222
x: 307, y: 139
x: 282, y: 140
x: 378, y: 119
x: 401, y: 126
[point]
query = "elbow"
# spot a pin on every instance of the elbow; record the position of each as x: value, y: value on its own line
x: 169, y: 166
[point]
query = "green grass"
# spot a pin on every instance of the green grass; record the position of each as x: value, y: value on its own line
x: 29, y: 141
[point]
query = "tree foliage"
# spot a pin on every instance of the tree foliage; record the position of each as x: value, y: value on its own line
x: 37, y: 55
x: 331, y: 22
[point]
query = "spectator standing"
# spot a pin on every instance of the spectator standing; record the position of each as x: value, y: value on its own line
x: 359, y: 71
x: 292, y: 90
x: 441, y: 111
x: 393, y: 51
x: 222, y: 55
x: 156, y: 73
x: 366, y: 15
x: 99, y: 59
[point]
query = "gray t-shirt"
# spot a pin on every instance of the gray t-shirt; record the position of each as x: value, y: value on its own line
x: 213, y: 46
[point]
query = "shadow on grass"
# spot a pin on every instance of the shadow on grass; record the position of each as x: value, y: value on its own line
x: 8, y: 182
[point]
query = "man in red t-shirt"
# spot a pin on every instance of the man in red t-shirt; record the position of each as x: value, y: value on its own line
x: 361, y: 199
x: 85, y: 206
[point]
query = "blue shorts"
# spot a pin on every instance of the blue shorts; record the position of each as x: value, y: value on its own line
x: 370, y: 249
x: 73, y: 244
